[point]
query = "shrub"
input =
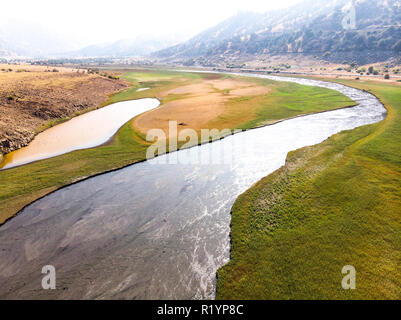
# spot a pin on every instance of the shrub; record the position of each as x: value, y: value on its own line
x: 387, y: 77
x: 371, y: 69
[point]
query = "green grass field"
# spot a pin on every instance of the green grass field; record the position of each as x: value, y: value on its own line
x: 334, y: 204
x: 285, y: 100
x: 22, y: 185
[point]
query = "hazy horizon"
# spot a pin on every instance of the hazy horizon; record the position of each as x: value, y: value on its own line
x: 84, y: 23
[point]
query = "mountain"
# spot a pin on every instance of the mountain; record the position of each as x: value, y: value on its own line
x: 20, y: 39
x: 139, y: 46
x: 363, y: 31
x: 31, y: 40
x: 3, y: 49
x: 240, y: 24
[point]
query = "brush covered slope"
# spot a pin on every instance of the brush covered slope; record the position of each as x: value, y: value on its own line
x: 316, y: 28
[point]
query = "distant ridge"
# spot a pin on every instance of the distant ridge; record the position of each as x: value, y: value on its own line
x: 136, y: 47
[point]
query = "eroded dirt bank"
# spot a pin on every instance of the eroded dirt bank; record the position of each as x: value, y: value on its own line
x: 30, y: 100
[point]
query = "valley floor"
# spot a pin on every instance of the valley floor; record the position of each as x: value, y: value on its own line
x: 245, y: 103
x: 331, y: 205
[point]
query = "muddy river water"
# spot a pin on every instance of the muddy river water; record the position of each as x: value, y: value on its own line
x: 82, y: 132
x: 156, y: 230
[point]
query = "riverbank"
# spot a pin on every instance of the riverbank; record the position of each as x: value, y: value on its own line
x: 331, y: 205
x: 34, y: 99
x: 25, y: 184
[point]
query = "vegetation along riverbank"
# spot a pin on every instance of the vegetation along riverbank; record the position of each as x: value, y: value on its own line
x: 33, y: 98
x: 244, y: 103
x: 334, y: 204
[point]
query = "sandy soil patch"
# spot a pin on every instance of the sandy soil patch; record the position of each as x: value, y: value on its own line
x: 195, y: 105
x: 189, y: 89
x: 192, y: 112
x: 228, y: 84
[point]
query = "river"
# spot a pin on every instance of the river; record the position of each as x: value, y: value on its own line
x: 85, y: 131
x: 156, y: 230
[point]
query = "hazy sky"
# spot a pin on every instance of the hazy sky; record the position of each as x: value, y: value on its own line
x: 97, y: 21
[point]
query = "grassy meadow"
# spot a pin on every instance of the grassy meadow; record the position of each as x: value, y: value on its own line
x: 334, y: 204
x: 21, y: 185
x: 285, y: 100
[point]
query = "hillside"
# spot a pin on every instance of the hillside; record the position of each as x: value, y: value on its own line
x: 33, y: 41
x: 364, y: 31
x: 25, y: 39
x: 31, y: 97
x: 240, y: 24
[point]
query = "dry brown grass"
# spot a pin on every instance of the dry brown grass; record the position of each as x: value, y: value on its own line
x: 197, y: 105
x: 34, y: 68
x: 30, y: 100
